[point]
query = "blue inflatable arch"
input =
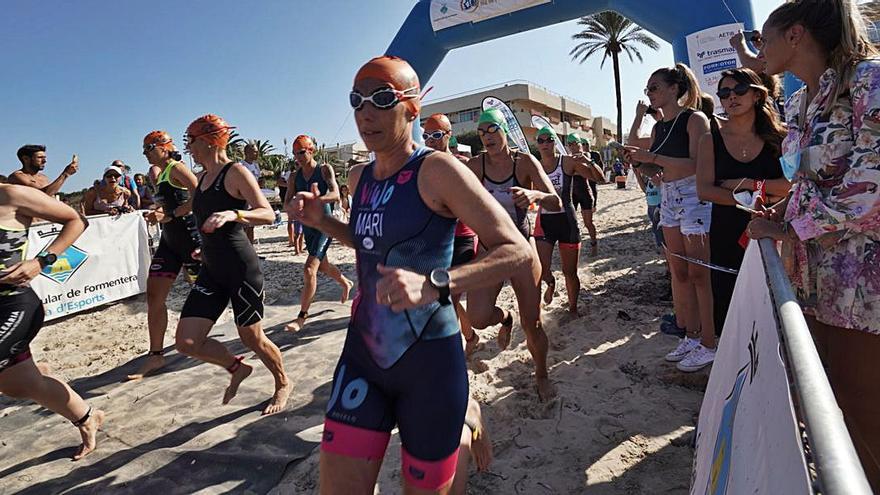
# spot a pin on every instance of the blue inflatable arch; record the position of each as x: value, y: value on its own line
x: 671, y: 20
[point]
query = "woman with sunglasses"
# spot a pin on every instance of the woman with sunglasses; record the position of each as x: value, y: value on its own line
x: 738, y: 162
x: 175, y: 184
x: 561, y: 226
x: 226, y: 199
x: 524, y: 183
x: 684, y: 217
x: 438, y: 132
x: 402, y: 364
x: 110, y: 197
x: 831, y: 224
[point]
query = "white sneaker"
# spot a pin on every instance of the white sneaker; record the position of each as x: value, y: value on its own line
x: 685, y: 346
x: 698, y: 359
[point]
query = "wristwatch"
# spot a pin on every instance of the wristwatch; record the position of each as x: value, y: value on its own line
x: 46, y: 259
x: 439, y: 279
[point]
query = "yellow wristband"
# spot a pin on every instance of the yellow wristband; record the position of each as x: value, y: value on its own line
x: 239, y: 215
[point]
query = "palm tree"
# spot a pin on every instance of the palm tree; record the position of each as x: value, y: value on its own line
x: 263, y: 147
x: 610, y: 33
x: 235, y: 147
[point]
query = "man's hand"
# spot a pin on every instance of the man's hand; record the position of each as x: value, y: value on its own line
x: 402, y: 289
x: 21, y: 273
x: 307, y: 207
x: 72, y: 167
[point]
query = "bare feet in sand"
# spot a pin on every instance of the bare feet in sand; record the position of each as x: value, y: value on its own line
x: 545, y: 388
x: 279, y: 399
x: 346, y: 289
x: 152, y: 364
x: 504, y: 332
x: 472, y: 345
x: 594, y: 249
x: 481, y: 447
x: 238, y: 376
x: 88, y: 432
x: 550, y: 292
x: 296, y: 325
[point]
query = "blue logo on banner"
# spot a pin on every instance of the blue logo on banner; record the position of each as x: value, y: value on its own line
x: 66, y: 265
x: 719, y: 66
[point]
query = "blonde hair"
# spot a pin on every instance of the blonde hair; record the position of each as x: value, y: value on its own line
x: 837, y: 26
x: 682, y: 76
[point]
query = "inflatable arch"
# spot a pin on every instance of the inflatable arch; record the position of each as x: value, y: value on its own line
x: 671, y: 20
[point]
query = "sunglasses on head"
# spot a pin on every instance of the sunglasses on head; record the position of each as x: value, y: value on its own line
x: 490, y: 129
x: 436, y: 135
x: 542, y: 140
x: 740, y: 89
x: 382, y: 98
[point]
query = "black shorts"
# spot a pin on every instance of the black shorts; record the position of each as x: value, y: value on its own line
x: 558, y: 227
x: 175, y: 250
x: 586, y: 200
x: 21, y: 317
x: 464, y: 250
x: 210, y: 294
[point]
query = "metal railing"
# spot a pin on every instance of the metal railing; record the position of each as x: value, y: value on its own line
x: 839, y: 469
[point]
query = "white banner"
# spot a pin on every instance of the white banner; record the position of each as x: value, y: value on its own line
x: 516, y: 138
x: 710, y: 53
x: 448, y: 13
x: 110, y: 261
x: 747, y: 435
x: 539, y: 122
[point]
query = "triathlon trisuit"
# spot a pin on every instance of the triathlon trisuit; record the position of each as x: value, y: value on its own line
x: 501, y: 192
x: 230, y: 267
x: 21, y: 312
x: 405, y: 369
x: 180, y: 236
x: 559, y: 226
x: 316, y: 242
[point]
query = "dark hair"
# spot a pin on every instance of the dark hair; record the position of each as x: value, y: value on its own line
x: 837, y: 26
x: 707, y: 105
x: 768, y: 125
x: 28, y: 150
x: 683, y: 77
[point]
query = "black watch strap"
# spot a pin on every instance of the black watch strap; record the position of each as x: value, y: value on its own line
x: 444, y: 295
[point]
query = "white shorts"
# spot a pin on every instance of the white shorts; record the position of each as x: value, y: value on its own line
x: 681, y: 207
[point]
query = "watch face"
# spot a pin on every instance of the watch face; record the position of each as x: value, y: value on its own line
x: 51, y: 258
x: 440, y: 278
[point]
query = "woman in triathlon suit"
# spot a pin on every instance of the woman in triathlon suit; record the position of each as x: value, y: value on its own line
x: 175, y: 184
x: 524, y: 183
x: 21, y: 311
x: 402, y: 364
x: 226, y: 199
x: 685, y: 218
x: 561, y: 226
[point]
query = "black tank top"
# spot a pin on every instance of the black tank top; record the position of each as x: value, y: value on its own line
x: 180, y: 231
x: 671, y: 137
x: 227, y: 246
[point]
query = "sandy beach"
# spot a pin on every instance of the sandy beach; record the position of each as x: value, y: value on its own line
x: 622, y: 421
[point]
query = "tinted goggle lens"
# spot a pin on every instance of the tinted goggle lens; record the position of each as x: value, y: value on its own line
x: 490, y: 129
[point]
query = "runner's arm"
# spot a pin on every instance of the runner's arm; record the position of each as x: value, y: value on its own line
x: 183, y: 176
x: 585, y: 167
x: 325, y: 223
x: 246, y: 187
x: 332, y: 194
x: 545, y: 196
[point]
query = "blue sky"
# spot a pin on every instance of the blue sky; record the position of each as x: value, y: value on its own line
x: 93, y: 77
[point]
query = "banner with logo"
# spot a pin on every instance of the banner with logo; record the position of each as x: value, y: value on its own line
x: 539, y: 122
x: 448, y: 13
x: 710, y: 53
x: 516, y: 139
x: 747, y: 435
x: 108, y: 262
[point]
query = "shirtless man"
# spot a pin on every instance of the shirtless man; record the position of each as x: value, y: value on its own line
x: 33, y: 161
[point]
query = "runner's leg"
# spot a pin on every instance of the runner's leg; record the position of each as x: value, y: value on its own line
x: 253, y: 337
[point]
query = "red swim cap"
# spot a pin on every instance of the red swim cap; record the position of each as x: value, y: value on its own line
x: 437, y: 122
x: 303, y: 142
x: 211, y: 129
x: 160, y: 139
x: 398, y: 74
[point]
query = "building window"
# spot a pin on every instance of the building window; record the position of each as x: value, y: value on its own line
x: 470, y: 115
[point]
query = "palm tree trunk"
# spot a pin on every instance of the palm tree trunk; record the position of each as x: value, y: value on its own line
x: 617, y: 93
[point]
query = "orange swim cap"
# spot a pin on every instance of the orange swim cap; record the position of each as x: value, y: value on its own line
x: 303, y: 142
x: 437, y: 122
x: 398, y: 74
x: 159, y: 139
x: 211, y: 129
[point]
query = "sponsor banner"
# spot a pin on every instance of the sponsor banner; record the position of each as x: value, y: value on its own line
x: 747, y: 436
x: 448, y: 13
x: 516, y: 139
x: 710, y: 54
x: 539, y: 122
x: 110, y: 261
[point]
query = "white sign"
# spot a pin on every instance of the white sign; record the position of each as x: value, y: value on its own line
x: 747, y: 436
x: 710, y: 53
x: 109, y: 261
x: 448, y: 13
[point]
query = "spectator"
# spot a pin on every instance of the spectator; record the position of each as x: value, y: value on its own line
x: 251, y: 163
x: 738, y: 159
x: 110, y: 197
x: 831, y: 225
x: 33, y: 161
x: 345, y: 202
x: 650, y: 185
x: 127, y: 181
x: 144, y: 190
